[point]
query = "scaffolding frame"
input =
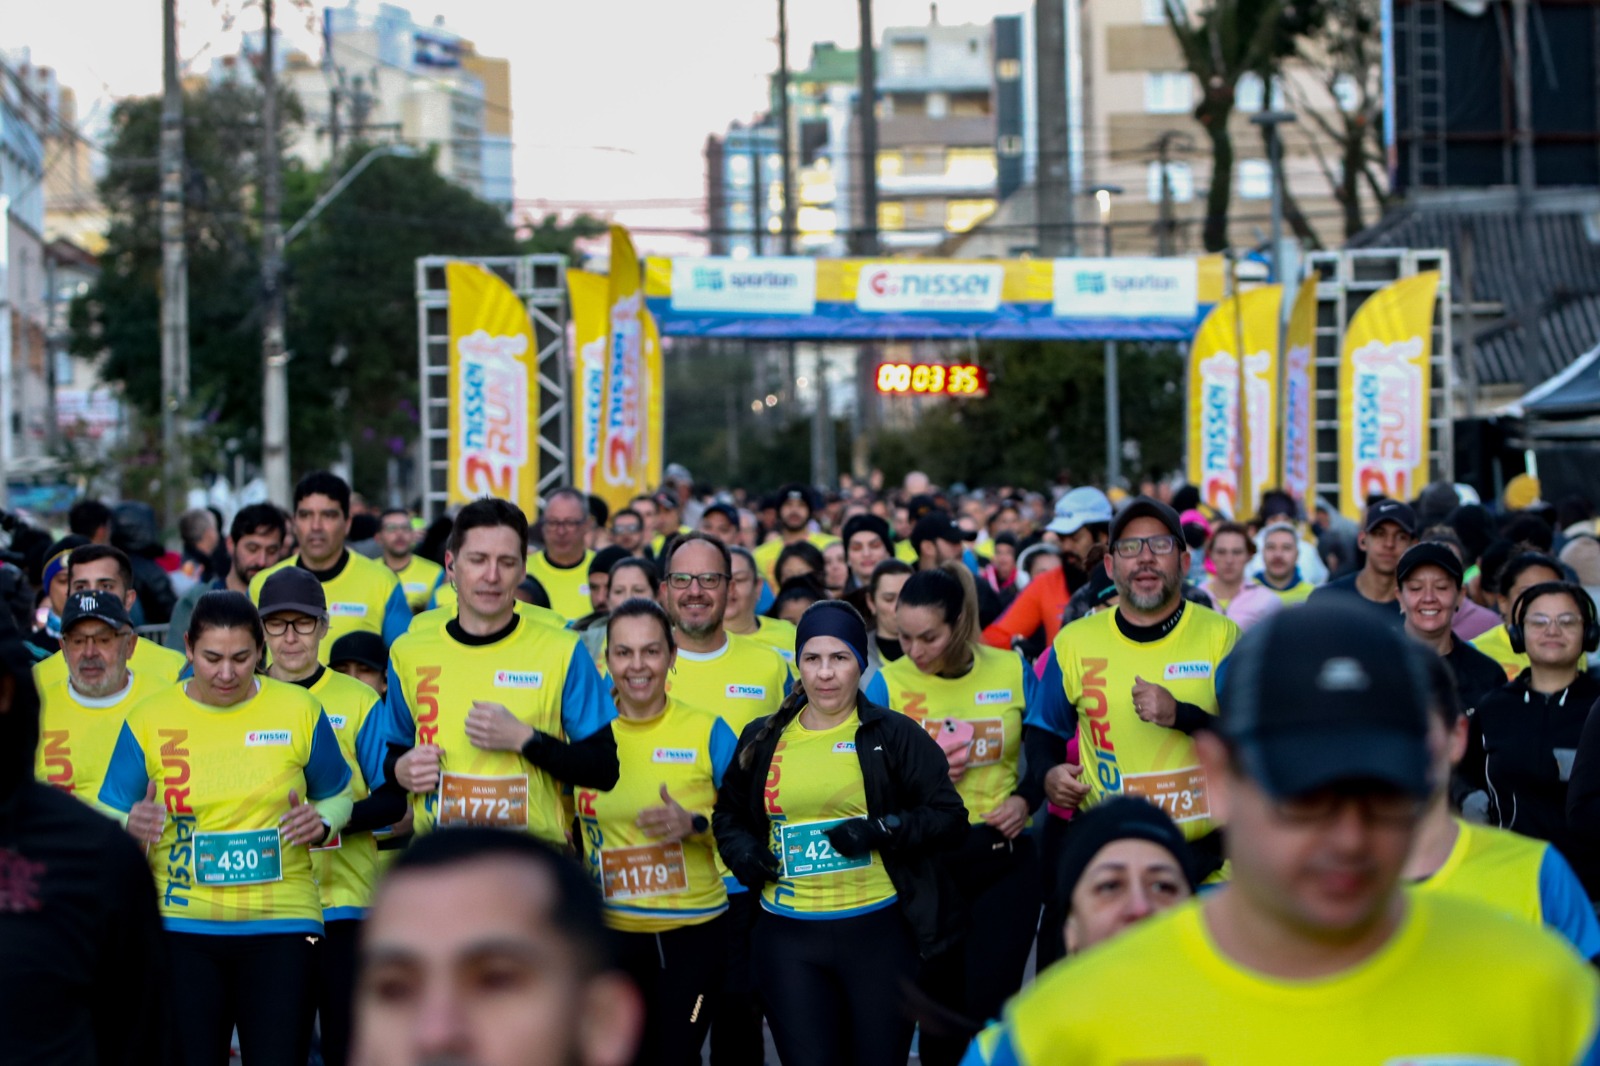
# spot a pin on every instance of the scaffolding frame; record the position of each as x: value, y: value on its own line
x: 540, y: 282
x: 1345, y: 281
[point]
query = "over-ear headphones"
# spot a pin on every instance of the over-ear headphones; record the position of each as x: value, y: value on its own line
x: 1516, y: 632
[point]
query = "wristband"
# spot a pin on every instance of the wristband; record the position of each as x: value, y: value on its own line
x: 700, y: 823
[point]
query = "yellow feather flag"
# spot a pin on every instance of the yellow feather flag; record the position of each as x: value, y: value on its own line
x: 494, y: 391
x: 589, y: 306
x: 1217, y: 455
x: 1300, y: 396
x: 1384, y: 379
x: 621, y: 473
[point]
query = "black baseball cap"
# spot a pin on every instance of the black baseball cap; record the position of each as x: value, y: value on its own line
x: 1319, y: 695
x: 938, y: 525
x: 96, y: 604
x: 1429, y: 553
x: 360, y: 647
x: 1145, y: 507
x: 1386, y: 510
x: 292, y: 589
x: 726, y: 510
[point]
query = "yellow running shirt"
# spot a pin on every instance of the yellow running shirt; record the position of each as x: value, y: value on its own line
x: 1523, y: 877
x: 363, y: 596
x: 776, y: 634
x: 539, y: 673
x: 816, y: 777
x: 436, y: 617
x: 567, y: 586
x: 345, y: 872
x: 1496, y: 645
x: 150, y: 658
x: 77, y: 734
x: 1295, y: 593
x: 992, y: 696
x: 650, y: 887
x: 418, y: 578
x: 1458, y: 984
x: 766, y: 554
x: 228, y: 771
x: 744, y: 681
x: 1087, y: 689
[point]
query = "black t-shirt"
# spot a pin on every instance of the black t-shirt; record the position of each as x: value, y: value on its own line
x: 83, y: 972
x: 1477, y: 675
x: 1345, y: 586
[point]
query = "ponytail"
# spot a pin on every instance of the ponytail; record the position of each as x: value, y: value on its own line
x: 950, y: 589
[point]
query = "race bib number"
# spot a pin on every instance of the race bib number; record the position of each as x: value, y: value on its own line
x: 807, y: 852
x: 647, y: 870
x: 496, y: 802
x: 988, y: 745
x: 244, y: 857
x: 1181, y: 793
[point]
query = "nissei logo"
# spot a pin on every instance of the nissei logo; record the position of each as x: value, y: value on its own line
x: 1194, y: 671
x: 951, y: 287
x: 747, y: 692
x: 676, y: 756
x: 348, y: 610
x: 337, y: 720
x: 260, y: 738
x: 999, y: 695
x: 1091, y: 281
x: 845, y: 747
x: 518, y: 679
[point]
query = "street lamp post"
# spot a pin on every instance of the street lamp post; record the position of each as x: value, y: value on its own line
x: 1102, y: 197
x: 1270, y: 121
x: 275, y: 390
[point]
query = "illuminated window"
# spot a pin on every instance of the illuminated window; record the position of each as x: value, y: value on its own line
x: 976, y: 166
x: 962, y: 215
x: 1168, y: 92
x: 890, y: 164
x: 1008, y: 69
x: 1254, y: 180
x: 892, y: 215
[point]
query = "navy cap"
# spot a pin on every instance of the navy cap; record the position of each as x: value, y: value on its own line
x: 1386, y: 510
x: 96, y: 604
x: 1429, y: 553
x: 1145, y: 507
x: 361, y: 647
x: 290, y: 588
x: 1319, y: 695
x: 938, y: 525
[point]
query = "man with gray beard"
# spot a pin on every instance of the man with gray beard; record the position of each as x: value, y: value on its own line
x: 1133, y: 684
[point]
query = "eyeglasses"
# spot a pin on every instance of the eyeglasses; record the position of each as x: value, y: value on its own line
x: 628, y: 530
x: 279, y: 626
x: 1566, y: 623
x: 709, y: 582
x: 1377, y: 808
x: 1129, y: 547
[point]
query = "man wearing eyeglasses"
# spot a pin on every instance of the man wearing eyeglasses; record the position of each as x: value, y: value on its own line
x: 419, y: 577
x: 1134, y: 684
x: 562, y: 565
x: 739, y: 679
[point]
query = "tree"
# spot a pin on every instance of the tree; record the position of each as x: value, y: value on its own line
x: 1222, y: 42
x: 351, y: 289
x: 550, y: 235
x: 1346, y: 54
x: 119, y: 319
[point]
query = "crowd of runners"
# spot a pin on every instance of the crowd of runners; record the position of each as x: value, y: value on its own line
x: 981, y: 776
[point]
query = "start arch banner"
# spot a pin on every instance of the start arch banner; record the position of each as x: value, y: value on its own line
x: 800, y: 298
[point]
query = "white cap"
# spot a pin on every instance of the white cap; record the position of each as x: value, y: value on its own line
x: 1078, y: 508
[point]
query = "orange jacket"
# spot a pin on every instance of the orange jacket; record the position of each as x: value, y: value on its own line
x: 1042, y: 603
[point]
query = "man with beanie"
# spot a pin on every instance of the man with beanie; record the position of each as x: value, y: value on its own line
x: 1314, y: 953
x: 54, y: 582
x: 83, y: 969
x: 795, y: 509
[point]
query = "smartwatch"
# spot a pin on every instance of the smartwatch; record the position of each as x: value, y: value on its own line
x: 700, y: 823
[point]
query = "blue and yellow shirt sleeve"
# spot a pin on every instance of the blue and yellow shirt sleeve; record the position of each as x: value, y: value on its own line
x: 586, y: 706
x: 877, y: 690
x: 1565, y: 906
x: 724, y: 744
x: 126, y: 778
x: 1049, y: 709
x: 399, y: 724
x: 396, y: 615
x: 372, y: 746
x: 327, y: 774
x: 1030, y: 681
x: 992, y: 1047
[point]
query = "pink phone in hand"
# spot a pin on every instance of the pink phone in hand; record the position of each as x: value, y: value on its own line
x: 954, y: 736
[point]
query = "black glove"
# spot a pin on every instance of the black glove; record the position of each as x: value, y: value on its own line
x: 754, y: 870
x: 856, y: 837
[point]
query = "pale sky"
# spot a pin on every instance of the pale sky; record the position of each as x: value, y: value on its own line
x: 612, y: 100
